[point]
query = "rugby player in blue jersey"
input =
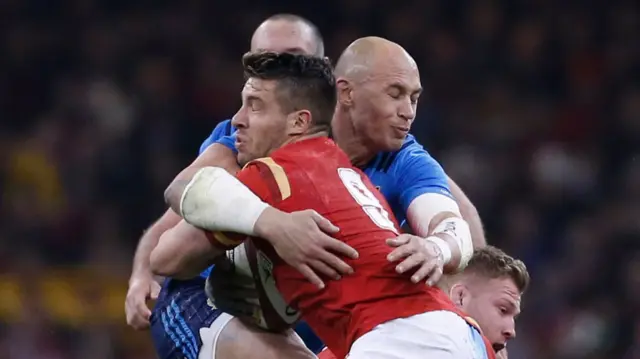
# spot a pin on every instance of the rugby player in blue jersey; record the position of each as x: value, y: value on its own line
x: 375, y: 135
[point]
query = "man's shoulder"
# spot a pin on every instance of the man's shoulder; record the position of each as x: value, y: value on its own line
x: 386, y: 161
x: 314, y: 163
x: 311, y: 153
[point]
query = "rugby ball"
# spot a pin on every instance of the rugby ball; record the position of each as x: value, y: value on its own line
x: 273, y: 313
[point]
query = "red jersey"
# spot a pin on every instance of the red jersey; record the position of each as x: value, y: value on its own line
x: 316, y: 174
x: 326, y: 354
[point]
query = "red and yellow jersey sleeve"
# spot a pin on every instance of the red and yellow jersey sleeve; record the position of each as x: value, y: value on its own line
x: 267, y: 180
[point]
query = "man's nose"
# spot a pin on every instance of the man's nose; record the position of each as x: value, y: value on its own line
x: 509, y: 333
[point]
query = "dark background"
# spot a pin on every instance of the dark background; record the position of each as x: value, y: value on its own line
x: 532, y: 106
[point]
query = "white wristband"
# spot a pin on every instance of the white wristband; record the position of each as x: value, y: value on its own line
x: 458, y: 229
x: 443, y: 246
x: 215, y: 200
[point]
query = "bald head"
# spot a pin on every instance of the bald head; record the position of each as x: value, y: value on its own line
x: 288, y: 33
x: 378, y: 89
x: 371, y: 54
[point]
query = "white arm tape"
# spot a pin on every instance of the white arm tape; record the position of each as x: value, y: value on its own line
x: 444, y: 248
x: 426, y: 206
x: 458, y: 228
x: 215, y: 200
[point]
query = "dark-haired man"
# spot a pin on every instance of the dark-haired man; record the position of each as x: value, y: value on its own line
x: 182, y: 320
x: 291, y: 164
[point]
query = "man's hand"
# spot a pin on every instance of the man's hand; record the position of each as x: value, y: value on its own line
x: 135, y: 305
x: 419, y: 253
x: 301, y: 239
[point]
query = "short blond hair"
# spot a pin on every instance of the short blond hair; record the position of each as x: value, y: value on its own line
x: 492, y: 263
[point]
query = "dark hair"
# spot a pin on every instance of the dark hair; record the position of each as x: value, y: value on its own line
x: 317, y: 37
x: 492, y: 262
x: 304, y: 82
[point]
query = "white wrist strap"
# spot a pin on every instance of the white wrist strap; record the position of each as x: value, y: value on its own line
x: 443, y: 246
x: 215, y: 200
x: 458, y: 228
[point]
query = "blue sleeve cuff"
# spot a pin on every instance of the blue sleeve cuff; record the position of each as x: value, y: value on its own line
x: 229, y: 141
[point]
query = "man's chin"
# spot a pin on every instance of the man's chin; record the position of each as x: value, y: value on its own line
x: 243, y: 159
x: 393, y: 144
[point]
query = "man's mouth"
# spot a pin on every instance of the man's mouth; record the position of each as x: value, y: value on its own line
x: 498, y: 347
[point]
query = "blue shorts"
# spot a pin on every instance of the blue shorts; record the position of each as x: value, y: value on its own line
x: 180, y: 311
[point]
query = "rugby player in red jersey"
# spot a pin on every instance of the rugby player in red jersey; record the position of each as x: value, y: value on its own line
x: 288, y: 103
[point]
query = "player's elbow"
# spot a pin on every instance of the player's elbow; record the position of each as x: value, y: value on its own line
x: 160, y: 265
x: 169, y: 193
x: 173, y: 193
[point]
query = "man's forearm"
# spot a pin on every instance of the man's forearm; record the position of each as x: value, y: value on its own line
x: 469, y: 214
x: 149, y: 240
x: 182, y: 252
x: 436, y: 215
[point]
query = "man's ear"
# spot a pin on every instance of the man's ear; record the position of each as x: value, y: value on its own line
x: 345, y: 92
x: 459, y: 294
x: 299, y: 122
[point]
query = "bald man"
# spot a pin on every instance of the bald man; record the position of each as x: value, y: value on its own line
x: 379, y: 87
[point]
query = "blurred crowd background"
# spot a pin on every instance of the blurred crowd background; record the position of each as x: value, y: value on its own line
x: 532, y: 106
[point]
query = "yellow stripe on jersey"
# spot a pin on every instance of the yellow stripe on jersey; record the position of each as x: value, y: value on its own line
x: 226, y: 241
x: 278, y: 174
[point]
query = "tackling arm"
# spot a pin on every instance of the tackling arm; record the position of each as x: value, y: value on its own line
x: 148, y: 241
x: 185, y: 250
x: 437, y: 217
x: 182, y: 252
x: 228, y: 204
x: 430, y: 208
x: 215, y: 155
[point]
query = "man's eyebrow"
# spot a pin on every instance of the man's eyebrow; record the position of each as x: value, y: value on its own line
x: 404, y: 89
x: 295, y: 51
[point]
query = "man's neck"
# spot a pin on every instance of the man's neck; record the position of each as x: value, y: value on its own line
x: 295, y: 139
x: 345, y: 136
